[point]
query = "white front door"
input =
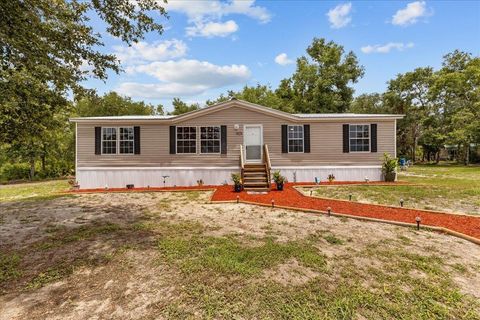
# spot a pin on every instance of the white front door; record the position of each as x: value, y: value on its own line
x: 253, y: 141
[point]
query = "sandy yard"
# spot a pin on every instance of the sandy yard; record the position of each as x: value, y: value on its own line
x: 174, y: 255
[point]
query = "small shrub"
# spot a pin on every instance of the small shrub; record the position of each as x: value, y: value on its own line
x: 277, y: 177
x: 237, y: 179
x: 389, y: 164
x: 15, y: 171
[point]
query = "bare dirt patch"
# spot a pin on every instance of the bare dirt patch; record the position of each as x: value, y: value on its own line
x: 97, y: 256
x: 290, y: 273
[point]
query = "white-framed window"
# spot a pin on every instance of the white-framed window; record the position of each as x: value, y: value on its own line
x: 126, y: 140
x: 186, y: 139
x: 295, y: 139
x: 118, y: 140
x: 109, y: 140
x: 210, y: 139
x: 359, y: 136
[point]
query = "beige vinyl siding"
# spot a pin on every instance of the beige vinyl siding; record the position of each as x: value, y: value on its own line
x: 325, y: 141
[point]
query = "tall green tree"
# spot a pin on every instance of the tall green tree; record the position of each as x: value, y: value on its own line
x: 322, y: 81
x: 456, y: 93
x: 369, y: 103
x: 47, y: 48
x: 180, y: 107
x: 408, y: 94
x: 112, y: 104
x: 259, y: 94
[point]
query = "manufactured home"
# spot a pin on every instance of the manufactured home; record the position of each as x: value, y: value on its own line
x: 207, y: 145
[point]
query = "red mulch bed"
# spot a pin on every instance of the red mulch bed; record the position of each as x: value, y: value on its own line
x: 290, y: 197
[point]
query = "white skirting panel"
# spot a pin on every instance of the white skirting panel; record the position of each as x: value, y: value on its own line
x: 91, y: 178
x: 341, y: 173
x: 97, y: 177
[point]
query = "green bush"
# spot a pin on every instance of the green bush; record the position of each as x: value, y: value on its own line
x: 389, y: 164
x: 14, y: 171
x: 21, y: 171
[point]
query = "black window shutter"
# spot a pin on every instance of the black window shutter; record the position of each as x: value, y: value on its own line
x: 284, y: 138
x: 136, y: 138
x: 346, y: 142
x: 173, y: 141
x: 306, y: 138
x: 223, y: 137
x: 98, y: 140
x: 373, y: 135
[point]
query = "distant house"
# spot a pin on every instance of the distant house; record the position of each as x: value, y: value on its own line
x: 233, y: 136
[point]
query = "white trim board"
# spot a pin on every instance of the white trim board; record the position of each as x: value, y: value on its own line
x: 230, y: 168
x: 158, y: 168
x: 326, y: 167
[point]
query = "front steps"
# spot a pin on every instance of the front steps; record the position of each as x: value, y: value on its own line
x: 255, y: 177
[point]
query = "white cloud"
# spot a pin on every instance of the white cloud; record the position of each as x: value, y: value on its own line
x: 215, y: 9
x: 205, y: 16
x: 193, y: 72
x: 339, y: 16
x: 282, y: 59
x: 159, y: 90
x: 386, y: 48
x: 212, y: 29
x: 410, y: 14
x: 183, y: 78
x: 144, y: 51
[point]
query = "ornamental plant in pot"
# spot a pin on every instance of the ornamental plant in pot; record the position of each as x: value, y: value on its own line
x: 278, y: 179
x: 331, y: 177
x: 389, y: 167
x: 237, y: 182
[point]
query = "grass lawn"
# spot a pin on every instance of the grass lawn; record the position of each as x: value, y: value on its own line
x: 33, y: 191
x: 176, y: 256
x: 439, y: 187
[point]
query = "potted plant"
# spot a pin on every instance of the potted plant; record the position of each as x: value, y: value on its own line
x: 200, y: 182
x: 331, y: 177
x: 278, y: 179
x: 237, y: 182
x: 74, y: 184
x: 389, y: 167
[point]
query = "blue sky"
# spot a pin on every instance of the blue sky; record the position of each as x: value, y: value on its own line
x: 210, y: 47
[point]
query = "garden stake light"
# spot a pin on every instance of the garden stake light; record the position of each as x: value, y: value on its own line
x: 165, y: 180
x: 273, y: 203
x: 401, y: 203
x: 329, y: 211
x: 418, y: 220
x: 238, y: 199
x: 350, y: 197
x: 310, y: 193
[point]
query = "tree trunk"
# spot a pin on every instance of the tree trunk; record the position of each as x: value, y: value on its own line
x: 32, y: 168
x: 467, y: 154
x: 43, y: 156
x: 437, y: 157
x: 43, y: 162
